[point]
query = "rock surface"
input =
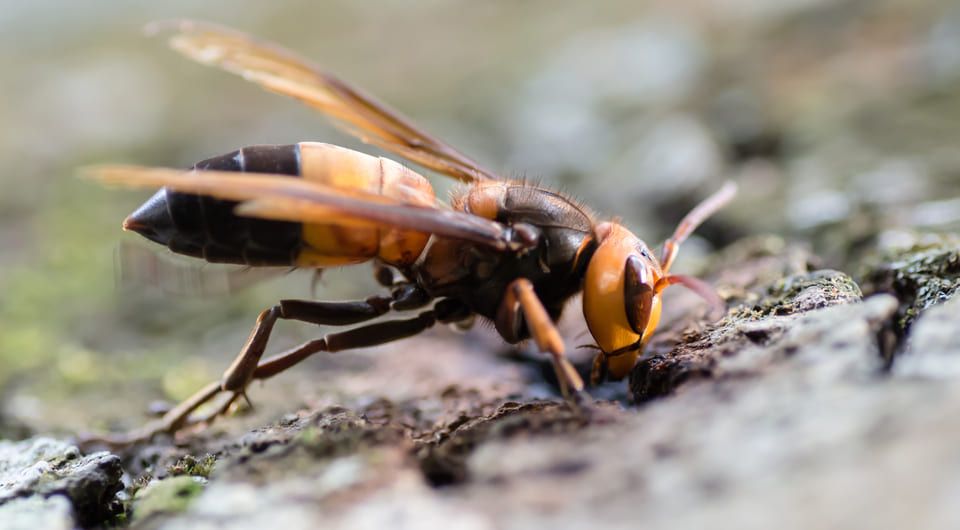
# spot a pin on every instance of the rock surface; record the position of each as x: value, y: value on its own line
x: 795, y: 410
x: 933, y: 351
x: 41, y: 468
x: 31, y: 513
x: 921, y: 276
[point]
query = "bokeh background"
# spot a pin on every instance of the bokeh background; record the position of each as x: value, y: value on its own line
x: 840, y: 120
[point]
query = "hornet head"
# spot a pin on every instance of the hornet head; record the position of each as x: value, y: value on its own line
x: 621, y: 301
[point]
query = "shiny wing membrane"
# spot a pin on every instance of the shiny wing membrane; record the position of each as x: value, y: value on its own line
x: 282, y: 71
x: 281, y: 198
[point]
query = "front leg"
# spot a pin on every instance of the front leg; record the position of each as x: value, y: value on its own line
x: 520, y: 304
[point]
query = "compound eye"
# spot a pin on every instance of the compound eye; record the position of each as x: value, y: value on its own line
x: 637, y: 294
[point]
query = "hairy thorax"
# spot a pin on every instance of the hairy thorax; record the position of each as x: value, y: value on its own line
x: 478, y: 276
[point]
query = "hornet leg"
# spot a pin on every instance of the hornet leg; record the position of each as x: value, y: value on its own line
x: 520, y: 299
x: 240, y: 372
x: 247, y: 366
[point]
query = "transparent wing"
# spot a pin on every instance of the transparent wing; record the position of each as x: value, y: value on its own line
x: 284, y: 72
x: 280, y: 197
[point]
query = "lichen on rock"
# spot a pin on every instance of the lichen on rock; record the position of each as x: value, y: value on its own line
x: 45, y: 467
x: 764, y: 304
x: 921, y: 275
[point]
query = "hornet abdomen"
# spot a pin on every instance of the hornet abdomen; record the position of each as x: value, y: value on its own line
x: 208, y: 228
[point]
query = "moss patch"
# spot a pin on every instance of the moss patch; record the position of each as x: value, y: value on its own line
x: 920, y: 276
x: 694, y: 354
x: 190, y: 465
x: 805, y: 292
x: 170, y: 495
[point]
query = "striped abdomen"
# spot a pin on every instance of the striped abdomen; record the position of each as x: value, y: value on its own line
x: 207, y: 228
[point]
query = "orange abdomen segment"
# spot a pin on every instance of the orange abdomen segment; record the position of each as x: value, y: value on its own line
x: 333, y: 244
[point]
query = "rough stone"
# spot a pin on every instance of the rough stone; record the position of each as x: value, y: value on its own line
x: 46, y: 467
x: 808, y: 419
x: 788, y: 401
x: 920, y: 276
x: 933, y: 350
x: 37, y: 512
x: 764, y: 304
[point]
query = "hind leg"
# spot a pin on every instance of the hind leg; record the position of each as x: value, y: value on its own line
x: 249, y: 366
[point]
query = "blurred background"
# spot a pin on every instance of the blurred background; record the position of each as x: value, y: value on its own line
x: 839, y: 119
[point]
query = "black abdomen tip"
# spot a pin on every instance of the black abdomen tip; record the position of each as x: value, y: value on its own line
x: 152, y: 220
x: 206, y: 227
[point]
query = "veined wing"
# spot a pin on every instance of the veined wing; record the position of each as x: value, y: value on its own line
x: 284, y: 72
x: 280, y: 197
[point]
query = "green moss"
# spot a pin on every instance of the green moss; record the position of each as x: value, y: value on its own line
x: 139, y: 483
x: 804, y: 292
x: 171, y: 495
x: 191, y: 466
x: 920, y: 276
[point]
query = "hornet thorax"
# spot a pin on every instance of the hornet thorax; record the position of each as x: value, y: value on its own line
x: 479, y: 276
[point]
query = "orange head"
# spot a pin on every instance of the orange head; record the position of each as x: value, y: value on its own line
x: 621, y: 291
x: 620, y: 301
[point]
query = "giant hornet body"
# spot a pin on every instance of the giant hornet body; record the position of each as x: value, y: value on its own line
x: 511, y: 252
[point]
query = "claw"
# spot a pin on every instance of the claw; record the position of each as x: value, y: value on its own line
x: 580, y: 400
x: 246, y: 398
